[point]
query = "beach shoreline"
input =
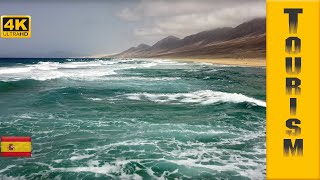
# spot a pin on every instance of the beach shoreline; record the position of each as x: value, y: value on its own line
x: 249, y: 62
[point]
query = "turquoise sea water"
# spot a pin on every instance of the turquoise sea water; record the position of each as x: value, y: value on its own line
x: 133, y: 119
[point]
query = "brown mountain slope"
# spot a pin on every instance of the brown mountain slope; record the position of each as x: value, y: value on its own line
x: 248, y: 40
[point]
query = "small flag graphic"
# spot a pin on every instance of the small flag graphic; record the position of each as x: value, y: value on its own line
x: 15, y: 146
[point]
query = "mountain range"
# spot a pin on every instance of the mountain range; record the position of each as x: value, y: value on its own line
x: 247, y: 40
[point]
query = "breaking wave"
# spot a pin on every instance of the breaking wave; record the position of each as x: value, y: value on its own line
x: 89, y: 70
x: 204, y: 97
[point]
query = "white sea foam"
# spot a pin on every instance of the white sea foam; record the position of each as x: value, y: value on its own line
x: 95, y: 99
x: 191, y: 154
x: 80, y: 157
x: 90, y: 70
x: 106, y: 169
x: 203, y: 97
x: 14, y: 70
x: 24, y: 116
x: 58, y: 160
x: 197, y: 155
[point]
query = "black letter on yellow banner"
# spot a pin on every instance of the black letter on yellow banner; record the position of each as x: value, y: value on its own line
x: 298, y: 147
x: 293, y: 19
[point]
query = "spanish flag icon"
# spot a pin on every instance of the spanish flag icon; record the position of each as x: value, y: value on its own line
x: 15, y: 146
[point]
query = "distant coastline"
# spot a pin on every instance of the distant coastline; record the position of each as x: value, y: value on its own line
x: 247, y: 62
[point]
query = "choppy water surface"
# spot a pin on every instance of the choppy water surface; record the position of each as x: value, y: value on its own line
x: 133, y: 119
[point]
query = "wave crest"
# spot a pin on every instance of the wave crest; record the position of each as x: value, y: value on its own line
x: 204, y: 97
x: 89, y: 70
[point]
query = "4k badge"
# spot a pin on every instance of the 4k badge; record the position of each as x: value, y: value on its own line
x: 15, y: 26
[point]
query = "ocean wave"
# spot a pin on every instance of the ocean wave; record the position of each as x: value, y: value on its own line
x: 139, y: 78
x: 7, y: 168
x: 89, y: 70
x: 16, y: 85
x: 4, y: 177
x: 108, y: 169
x: 204, y: 97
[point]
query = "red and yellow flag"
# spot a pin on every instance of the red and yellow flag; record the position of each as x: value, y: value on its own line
x: 15, y: 146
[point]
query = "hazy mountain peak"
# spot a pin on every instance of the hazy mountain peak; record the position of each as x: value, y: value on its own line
x: 167, y: 43
x: 172, y: 38
x: 255, y: 26
x: 143, y: 46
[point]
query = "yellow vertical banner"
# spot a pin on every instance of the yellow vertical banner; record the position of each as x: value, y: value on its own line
x: 293, y: 79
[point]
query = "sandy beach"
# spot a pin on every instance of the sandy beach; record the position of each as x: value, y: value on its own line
x: 250, y: 62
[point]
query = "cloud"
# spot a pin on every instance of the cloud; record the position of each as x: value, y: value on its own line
x: 183, y: 17
x: 128, y: 15
x: 160, y: 8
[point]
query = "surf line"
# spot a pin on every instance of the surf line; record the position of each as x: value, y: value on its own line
x: 293, y: 90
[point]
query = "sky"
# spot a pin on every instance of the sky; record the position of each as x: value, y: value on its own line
x: 79, y: 28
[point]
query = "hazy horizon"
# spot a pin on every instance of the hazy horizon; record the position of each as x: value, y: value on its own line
x: 83, y: 29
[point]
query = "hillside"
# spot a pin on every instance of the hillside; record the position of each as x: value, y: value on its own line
x: 247, y: 40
